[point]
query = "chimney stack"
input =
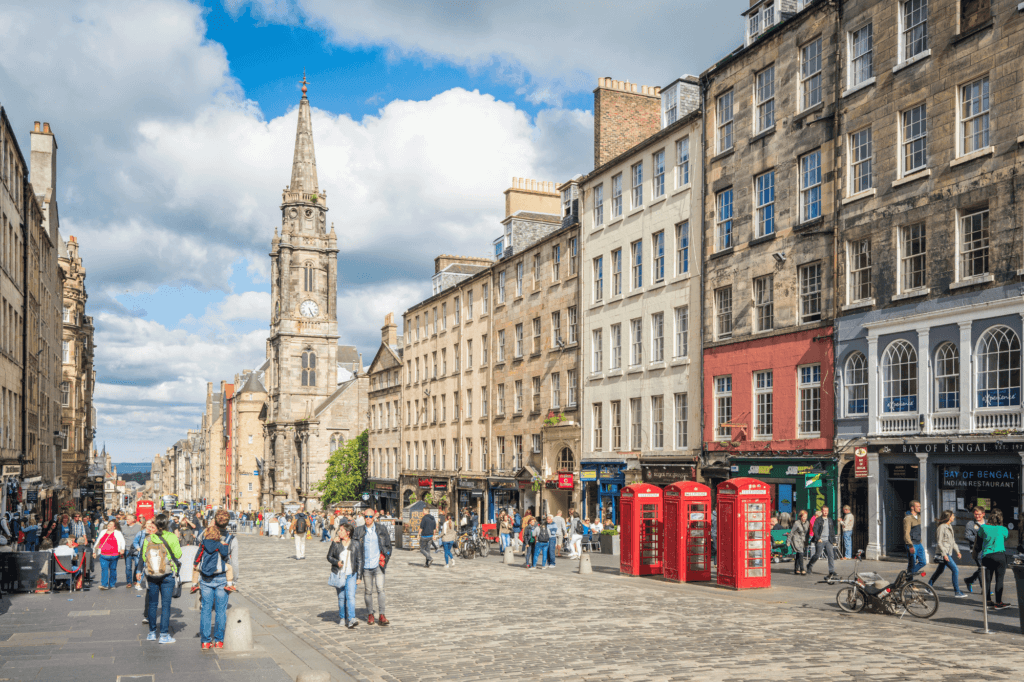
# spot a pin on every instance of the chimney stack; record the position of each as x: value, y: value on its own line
x: 625, y: 114
x: 389, y: 332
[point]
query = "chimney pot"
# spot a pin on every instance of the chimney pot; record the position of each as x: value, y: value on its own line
x: 35, y: 129
x: 46, y: 128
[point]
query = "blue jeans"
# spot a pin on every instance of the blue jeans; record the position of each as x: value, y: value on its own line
x: 948, y: 563
x: 160, y: 590
x: 552, y: 547
x: 505, y: 540
x: 129, y: 567
x: 915, y: 561
x: 323, y: 535
x: 108, y: 567
x: 848, y: 544
x: 213, y: 595
x: 447, y: 552
x: 540, y: 550
x: 347, y: 599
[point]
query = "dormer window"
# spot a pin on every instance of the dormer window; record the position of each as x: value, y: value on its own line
x: 669, y: 106
x: 760, y: 20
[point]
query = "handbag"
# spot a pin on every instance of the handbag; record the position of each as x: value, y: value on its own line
x: 336, y: 580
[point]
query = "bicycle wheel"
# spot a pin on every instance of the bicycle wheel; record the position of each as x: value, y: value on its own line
x: 483, y: 548
x: 919, y: 599
x: 850, y: 599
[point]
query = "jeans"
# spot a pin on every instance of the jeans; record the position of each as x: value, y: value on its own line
x: 994, y: 563
x: 323, y: 534
x: 129, y: 567
x: 540, y: 550
x: 848, y: 544
x: 552, y: 548
x: 829, y: 550
x: 347, y: 599
x: 373, y: 580
x: 108, y: 566
x: 213, y: 596
x: 300, y: 545
x: 447, y: 552
x: 506, y: 539
x: 425, y: 548
x: 952, y: 569
x: 915, y: 561
x: 160, y: 591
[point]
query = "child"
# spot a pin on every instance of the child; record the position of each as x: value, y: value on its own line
x: 213, y: 544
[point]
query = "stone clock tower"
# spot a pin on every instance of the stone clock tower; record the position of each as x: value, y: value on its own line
x: 303, y: 344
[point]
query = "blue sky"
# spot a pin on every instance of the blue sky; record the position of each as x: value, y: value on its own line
x: 175, y: 123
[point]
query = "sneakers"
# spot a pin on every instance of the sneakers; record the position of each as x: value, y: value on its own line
x: 962, y: 595
x: 166, y: 639
x: 352, y: 624
x: 129, y: 586
x: 195, y: 588
x: 369, y: 619
x: 138, y: 586
x: 384, y: 621
x: 1001, y: 605
x: 151, y: 637
x: 216, y: 645
x: 970, y: 585
x: 207, y: 645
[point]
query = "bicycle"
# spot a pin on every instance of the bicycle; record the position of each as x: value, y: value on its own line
x: 905, y: 595
x: 469, y: 546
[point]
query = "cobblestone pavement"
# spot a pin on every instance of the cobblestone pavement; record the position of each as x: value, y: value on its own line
x: 482, y: 620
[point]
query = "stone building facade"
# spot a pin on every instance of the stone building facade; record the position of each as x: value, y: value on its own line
x: 386, y: 427
x: 247, y: 404
x: 929, y: 262
x: 769, y: 225
x: 78, y: 378
x: 641, y: 302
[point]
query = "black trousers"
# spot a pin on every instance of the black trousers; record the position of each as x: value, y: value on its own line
x: 995, y: 564
x: 798, y: 561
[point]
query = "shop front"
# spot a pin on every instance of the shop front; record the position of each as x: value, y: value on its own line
x: 794, y: 484
x: 600, y: 484
x: 662, y: 474
x: 941, y: 474
x: 384, y: 495
x: 503, y: 493
x: 470, y: 496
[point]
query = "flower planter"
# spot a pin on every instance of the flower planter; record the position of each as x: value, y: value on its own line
x: 609, y: 544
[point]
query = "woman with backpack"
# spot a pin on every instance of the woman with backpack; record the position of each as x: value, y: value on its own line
x: 162, y: 553
x: 110, y: 548
x: 346, y: 560
x: 575, y: 536
x: 213, y: 564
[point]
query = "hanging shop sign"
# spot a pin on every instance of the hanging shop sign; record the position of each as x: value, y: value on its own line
x: 860, y: 463
x: 565, y: 481
x: 424, y: 482
x: 812, y: 480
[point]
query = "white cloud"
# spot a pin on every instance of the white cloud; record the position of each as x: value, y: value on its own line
x: 361, y: 311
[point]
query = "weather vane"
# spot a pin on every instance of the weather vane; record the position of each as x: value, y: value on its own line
x: 304, y: 82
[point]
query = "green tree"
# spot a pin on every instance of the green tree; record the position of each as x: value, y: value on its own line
x: 346, y: 471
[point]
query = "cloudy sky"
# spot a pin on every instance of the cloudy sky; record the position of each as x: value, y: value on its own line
x: 175, y: 122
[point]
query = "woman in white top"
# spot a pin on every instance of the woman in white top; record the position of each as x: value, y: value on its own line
x: 345, y: 558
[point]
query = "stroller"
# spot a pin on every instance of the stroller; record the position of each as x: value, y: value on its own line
x: 781, y: 551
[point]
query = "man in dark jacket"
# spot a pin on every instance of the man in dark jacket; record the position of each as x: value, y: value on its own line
x: 428, y: 526
x: 376, y: 544
x: 825, y: 537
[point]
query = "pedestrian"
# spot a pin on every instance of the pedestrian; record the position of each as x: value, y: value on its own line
x: 504, y: 530
x: 428, y: 527
x: 538, y: 543
x: 110, y: 548
x: 217, y: 569
x: 31, y: 530
x: 991, y: 543
x: 970, y: 536
x: 77, y: 527
x: 797, y: 541
x: 325, y: 529
x: 848, y: 522
x: 346, y: 558
x: 824, y: 538
x: 946, y: 544
x: 130, y: 530
x: 298, y: 528
x: 474, y: 523
x: 376, y: 544
x: 560, y: 525
x: 552, y: 528
x: 517, y: 528
x: 526, y: 524
x: 912, y: 538
x: 576, y: 532
x: 449, y: 536
x: 162, y: 553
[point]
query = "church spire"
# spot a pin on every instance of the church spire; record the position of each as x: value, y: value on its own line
x: 304, y: 163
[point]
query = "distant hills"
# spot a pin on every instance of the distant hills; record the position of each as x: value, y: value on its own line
x: 132, y: 467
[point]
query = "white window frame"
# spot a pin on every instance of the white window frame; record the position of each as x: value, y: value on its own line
x: 723, y: 220
x: 979, y: 112
x: 724, y: 116
x: 596, y: 351
x: 657, y: 439
x: 636, y: 424
x: 657, y: 337
x: 913, y: 132
x: 598, y: 279
x: 598, y: 205
x: 764, y: 303
x: 910, y: 255
x: 807, y: 294
x: 808, y: 400
x: 859, y: 284
x: 636, y: 264
x: 998, y: 369
x: 636, y: 342
x: 683, y: 248
x: 682, y: 332
x: 723, y: 407
x: 658, y: 184
x: 597, y: 427
x: 764, y: 201
x: 811, y: 58
x: 682, y: 162
x: 920, y: 43
x: 899, y: 355
x: 723, y: 313
x: 617, y: 195
x: 860, y: 48
x: 617, y: 272
x: 855, y: 384
x: 519, y: 279
x: 764, y: 100
x: 615, y: 421
x: 636, y: 185
x: 861, y: 177
x: 947, y: 377
x: 680, y: 432
x: 658, y: 253
x: 981, y: 245
x: 810, y: 186
x: 763, y: 404
x: 615, y: 362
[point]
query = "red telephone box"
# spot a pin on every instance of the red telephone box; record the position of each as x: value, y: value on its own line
x: 640, y: 544
x: 744, y: 538
x: 144, y: 510
x: 687, y: 518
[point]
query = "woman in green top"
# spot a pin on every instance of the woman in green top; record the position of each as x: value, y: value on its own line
x: 162, y: 553
x: 991, y: 539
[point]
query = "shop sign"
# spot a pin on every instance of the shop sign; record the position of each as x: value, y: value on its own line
x: 905, y: 471
x: 32, y: 495
x: 505, y: 485
x: 565, y: 481
x: 588, y: 475
x: 812, y: 480
x: 666, y: 474
x: 994, y: 476
x: 470, y: 484
x: 860, y: 463
x: 383, y: 486
x: 950, y: 448
x: 611, y: 472
x: 760, y: 469
x: 425, y: 482
x: 440, y: 484
x: 523, y: 485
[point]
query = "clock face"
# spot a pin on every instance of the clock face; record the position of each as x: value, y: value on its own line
x: 309, y: 309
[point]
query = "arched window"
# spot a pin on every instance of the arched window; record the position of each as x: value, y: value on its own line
x: 998, y: 359
x: 308, y: 278
x: 856, y: 383
x: 334, y: 444
x: 947, y: 377
x: 308, y: 368
x: 899, y: 378
x: 566, y: 462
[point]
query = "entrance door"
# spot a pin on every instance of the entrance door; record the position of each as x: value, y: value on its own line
x: 899, y: 493
x: 854, y: 492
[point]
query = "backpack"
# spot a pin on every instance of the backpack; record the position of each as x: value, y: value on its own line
x: 212, y: 563
x: 518, y: 523
x: 300, y: 523
x: 158, y: 557
x: 543, y: 535
x: 577, y: 527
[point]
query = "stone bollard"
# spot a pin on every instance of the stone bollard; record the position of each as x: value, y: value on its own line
x: 238, y: 633
x: 509, y: 557
x: 314, y: 676
x: 585, y: 566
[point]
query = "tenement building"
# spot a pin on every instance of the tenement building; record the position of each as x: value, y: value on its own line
x: 385, y: 435
x: 443, y: 398
x: 312, y: 398
x: 769, y: 223
x: 536, y: 349
x: 930, y: 261
x: 640, y: 223
x: 246, y: 406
